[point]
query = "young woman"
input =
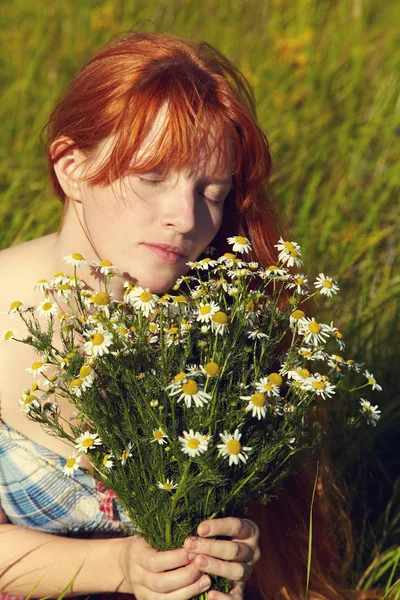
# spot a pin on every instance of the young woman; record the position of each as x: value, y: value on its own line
x: 156, y: 153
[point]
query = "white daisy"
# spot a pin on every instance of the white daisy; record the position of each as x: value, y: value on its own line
x: 240, y: 244
x: 299, y: 282
x: 108, y: 462
x: 72, y: 464
x: 232, y: 447
x: 256, y: 403
x: 314, y: 333
x: 15, y: 307
x: 289, y: 253
x: 193, y: 444
x: 142, y: 299
x: 256, y: 334
x: 219, y: 323
x: 206, y: 263
x: 211, y: 369
x: 228, y: 260
x: 321, y: 386
x: 265, y: 386
x: 8, y: 334
x: 126, y: 453
x: 27, y: 402
x: 371, y: 413
x: 168, y: 485
x: 206, y: 311
x: 76, y: 260
x: 75, y: 387
x: 190, y: 390
x: 372, y: 381
x: 87, y: 375
x: 338, y: 335
x: 159, y: 436
x: 99, y: 343
x: 326, y: 285
x: 87, y: 441
x: 273, y: 272
x: 105, y: 267
x: 47, y: 308
x: 42, y: 285
x: 37, y: 368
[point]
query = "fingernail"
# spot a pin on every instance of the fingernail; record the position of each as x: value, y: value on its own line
x: 191, y: 555
x: 202, y: 562
x: 194, y: 544
x: 204, y: 582
x: 203, y: 529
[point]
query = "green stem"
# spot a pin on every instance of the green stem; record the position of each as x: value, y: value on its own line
x: 177, y: 497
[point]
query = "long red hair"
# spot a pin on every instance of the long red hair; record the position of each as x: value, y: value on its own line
x: 118, y: 95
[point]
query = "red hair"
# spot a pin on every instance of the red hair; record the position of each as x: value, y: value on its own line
x: 119, y: 94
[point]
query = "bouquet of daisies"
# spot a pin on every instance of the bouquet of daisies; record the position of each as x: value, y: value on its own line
x: 193, y: 403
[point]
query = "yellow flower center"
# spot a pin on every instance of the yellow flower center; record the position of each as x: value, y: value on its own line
x: 304, y: 373
x: 314, y: 327
x: 46, y: 306
x: 258, y: 399
x: 327, y: 283
x: 8, y: 335
x: 88, y: 442
x: 350, y: 361
x: 158, y: 435
x: 125, y: 454
x: 97, y: 339
x: 85, y: 371
x: 250, y: 306
x: 234, y: 447
x: 268, y: 387
x: 63, y: 287
x: 290, y: 248
x: 275, y: 378
x: 272, y: 268
x: 298, y: 314
x: 298, y: 280
x: 180, y: 376
x: 77, y: 256
x: 152, y: 328
x: 179, y: 299
x: 59, y: 274
x: 15, y: 304
x: 75, y: 383
x: 190, y: 388
x: 212, y: 369
x: 240, y: 240
x: 229, y: 256
x: 106, y: 263
x: 28, y: 399
x: 193, y: 443
x: 101, y: 299
x: 70, y: 462
x: 106, y: 459
x: 167, y: 487
x: 146, y: 296
x: 36, y: 365
x: 206, y: 260
x: 164, y: 298
x: 205, y: 310
x: 220, y: 317
x: 318, y: 385
x: 173, y: 330
x: 338, y: 334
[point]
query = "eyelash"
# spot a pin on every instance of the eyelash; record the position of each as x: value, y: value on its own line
x: 155, y: 182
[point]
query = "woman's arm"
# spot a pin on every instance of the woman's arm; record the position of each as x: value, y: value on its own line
x: 29, y: 558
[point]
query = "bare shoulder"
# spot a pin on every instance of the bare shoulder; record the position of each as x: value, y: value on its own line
x: 21, y: 267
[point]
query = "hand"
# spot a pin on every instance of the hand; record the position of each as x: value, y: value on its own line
x: 233, y: 559
x: 150, y: 574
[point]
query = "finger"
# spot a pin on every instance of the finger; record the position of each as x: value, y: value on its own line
x: 170, y: 581
x: 236, y: 593
x: 185, y: 593
x: 241, y: 529
x: 156, y: 561
x: 234, y: 571
x: 225, y: 549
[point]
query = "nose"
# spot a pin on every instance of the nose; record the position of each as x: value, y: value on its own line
x: 179, y: 210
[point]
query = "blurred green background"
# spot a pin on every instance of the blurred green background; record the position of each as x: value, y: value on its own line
x: 326, y: 79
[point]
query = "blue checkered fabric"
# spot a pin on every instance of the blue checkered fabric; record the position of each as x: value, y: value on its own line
x: 35, y: 493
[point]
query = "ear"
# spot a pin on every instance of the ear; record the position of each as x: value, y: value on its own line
x: 69, y: 168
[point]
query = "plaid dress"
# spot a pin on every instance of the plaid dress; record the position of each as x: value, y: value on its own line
x: 35, y: 493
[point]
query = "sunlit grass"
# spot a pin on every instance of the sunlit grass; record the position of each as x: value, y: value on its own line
x: 325, y: 79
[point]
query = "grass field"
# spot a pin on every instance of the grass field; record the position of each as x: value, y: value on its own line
x: 326, y: 79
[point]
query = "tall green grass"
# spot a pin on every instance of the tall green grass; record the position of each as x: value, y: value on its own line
x: 326, y: 79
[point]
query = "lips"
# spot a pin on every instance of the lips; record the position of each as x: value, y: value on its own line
x: 165, y: 252
x: 168, y: 248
